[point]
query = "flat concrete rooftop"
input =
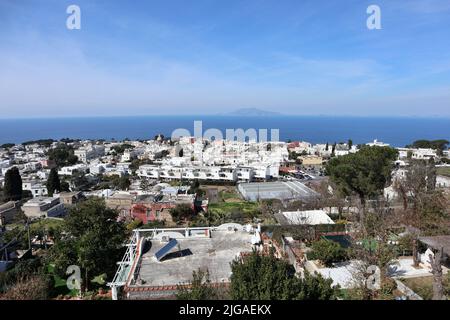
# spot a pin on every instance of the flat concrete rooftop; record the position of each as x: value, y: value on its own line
x: 214, y: 254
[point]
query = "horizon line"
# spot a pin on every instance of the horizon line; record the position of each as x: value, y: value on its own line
x: 227, y: 115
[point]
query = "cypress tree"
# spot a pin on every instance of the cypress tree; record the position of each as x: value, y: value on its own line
x: 53, y: 183
x: 13, y: 184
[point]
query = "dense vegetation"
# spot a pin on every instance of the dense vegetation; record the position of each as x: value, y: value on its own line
x: 41, y: 142
x: 28, y: 280
x: 261, y: 277
x: 200, y: 288
x: 431, y: 144
x: 364, y: 173
x: 7, y: 145
x: 92, y: 239
x: 182, y: 213
x: 63, y: 155
x: 328, y: 252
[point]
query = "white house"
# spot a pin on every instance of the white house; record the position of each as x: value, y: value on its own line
x: 245, y: 173
x: 70, y: 170
x: 87, y: 153
x: 419, y: 153
x: 37, y: 188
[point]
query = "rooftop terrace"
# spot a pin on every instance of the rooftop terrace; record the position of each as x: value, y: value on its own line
x: 212, y: 248
x: 214, y: 254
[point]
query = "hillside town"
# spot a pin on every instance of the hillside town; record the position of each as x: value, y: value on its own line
x: 167, y: 210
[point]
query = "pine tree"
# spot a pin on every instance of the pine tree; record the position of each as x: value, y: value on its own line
x: 53, y: 183
x: 13, y: 184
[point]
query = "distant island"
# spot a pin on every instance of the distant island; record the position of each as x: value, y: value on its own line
x: 252, y: 112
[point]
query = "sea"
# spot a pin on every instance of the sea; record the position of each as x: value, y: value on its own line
x: 397, y: 131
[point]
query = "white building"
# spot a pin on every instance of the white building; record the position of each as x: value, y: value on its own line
x: 219, y: 173
x: 308, y: 217
x: 132, y: 154
x: 37, y: 188
x: 377, y: 143
x: 245, y: 173
x: 32, y: 166
x: 97, y: 168
x: 148, y: 171
x: 419, y: 153
x: 442, y: 182
x: 88, y: 153
x: 70, y: 170
x: 5, y: 163
x: 264, y: 172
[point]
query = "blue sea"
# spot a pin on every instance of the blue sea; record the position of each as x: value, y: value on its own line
x: 316, y: 129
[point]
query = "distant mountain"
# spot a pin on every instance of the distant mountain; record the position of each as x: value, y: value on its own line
x: 252, y: 112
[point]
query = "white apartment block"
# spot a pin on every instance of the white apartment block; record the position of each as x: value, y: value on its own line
x: 218, y: 173
x: 220, y: 160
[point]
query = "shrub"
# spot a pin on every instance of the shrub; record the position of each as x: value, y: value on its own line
x: 328, y: 252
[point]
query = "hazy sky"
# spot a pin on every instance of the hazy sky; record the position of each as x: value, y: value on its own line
x: 206, y: 57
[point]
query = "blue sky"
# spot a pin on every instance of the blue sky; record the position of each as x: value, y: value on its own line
x: 206, y: 57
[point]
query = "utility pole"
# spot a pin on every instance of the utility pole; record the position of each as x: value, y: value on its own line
x: 29, y: 237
